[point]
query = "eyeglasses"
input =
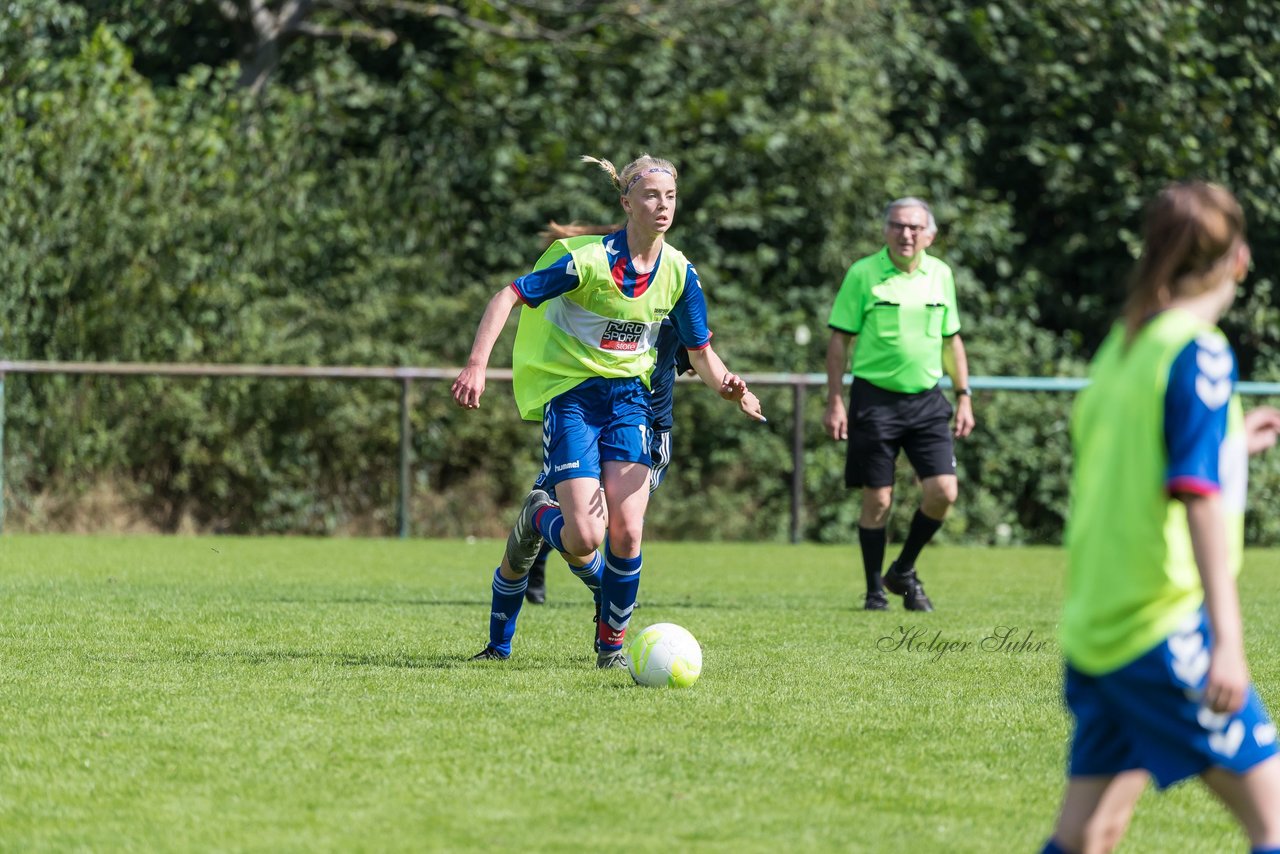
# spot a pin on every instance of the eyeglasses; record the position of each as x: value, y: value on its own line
x: 911, y: 228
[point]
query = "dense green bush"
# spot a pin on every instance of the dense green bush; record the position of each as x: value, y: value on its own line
x: 363, y: 208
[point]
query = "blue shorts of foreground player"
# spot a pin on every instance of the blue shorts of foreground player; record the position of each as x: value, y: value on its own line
x: 597, y: 421
x: 1147, y: 715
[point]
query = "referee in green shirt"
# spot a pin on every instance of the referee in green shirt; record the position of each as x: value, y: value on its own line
x: 895, y: 317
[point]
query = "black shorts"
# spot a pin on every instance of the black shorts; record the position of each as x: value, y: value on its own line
x: 883, y: 422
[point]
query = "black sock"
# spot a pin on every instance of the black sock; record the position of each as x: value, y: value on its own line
x: 922, y: 530
x: 872, y: 542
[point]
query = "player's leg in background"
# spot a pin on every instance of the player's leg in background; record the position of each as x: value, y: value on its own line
x: 660, y: 451
x: 1096, y: 811
x: 537, y: 590
x: 1253, y: 798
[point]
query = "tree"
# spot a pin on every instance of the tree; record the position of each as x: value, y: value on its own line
x: 266, y: 29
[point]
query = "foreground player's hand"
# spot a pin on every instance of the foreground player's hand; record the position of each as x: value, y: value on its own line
x: 964, y: 417
x: 750, y: 405
x: 468, y: 387
x: 1261, y: 427
x: 1228, y: 681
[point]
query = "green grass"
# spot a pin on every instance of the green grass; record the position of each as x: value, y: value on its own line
x: 176, y: 694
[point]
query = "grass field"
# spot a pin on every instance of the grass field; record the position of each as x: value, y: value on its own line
x: 178, y: 694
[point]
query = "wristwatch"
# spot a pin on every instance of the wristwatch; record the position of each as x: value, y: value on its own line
x: 964, y: 391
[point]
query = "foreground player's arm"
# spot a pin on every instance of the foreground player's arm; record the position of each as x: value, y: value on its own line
x: 552, y: 277
x: 1197, y: 402
x: 689, y: 317
x: 716, y: 376
x: 839, y: 355
x: 956, y: 363
x: 1228, y: 679
x: 469, y: 385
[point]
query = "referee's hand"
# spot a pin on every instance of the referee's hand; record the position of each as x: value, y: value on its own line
x: 836, y: 421
x: 964, y: 417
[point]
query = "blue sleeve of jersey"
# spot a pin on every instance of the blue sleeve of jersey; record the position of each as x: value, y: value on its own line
x: 559, y: 277
x: 689, y: 316
x: 1201, y: 382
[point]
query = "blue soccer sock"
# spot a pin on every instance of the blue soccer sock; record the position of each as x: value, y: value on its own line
x: 508, y: 596
x: 1052, y: 847
x: 621, y: 582
x: 591, y: 574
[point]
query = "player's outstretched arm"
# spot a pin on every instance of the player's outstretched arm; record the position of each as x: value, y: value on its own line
x: 729, y: 386
x: 469, y: 385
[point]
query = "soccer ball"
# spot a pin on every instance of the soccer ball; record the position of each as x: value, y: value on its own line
x: 664, y: 654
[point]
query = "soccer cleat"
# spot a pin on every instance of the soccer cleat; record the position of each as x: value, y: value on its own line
x: 907, y: 585
x: 611, y: 660
x: 524, y: 541
x: 536, y: 592
x: 489, y: 654
x: 875, y: 601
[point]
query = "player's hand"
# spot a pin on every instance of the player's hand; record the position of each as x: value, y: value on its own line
x: 732, y: 387
x: 1228, y: 681
x: 468, y: 387
x: 964, y: 417
x: 1261, y: 427
x: 750, y: 405
x: 836, y: 421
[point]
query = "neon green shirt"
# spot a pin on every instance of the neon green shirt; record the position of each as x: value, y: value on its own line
x: 900, y: 320
x: 593, y: 330
x: 1132, y: 575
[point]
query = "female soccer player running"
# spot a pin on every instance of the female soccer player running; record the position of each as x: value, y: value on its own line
x: 670, y: 361
x: 1156, y: 675
x: 581, y: 365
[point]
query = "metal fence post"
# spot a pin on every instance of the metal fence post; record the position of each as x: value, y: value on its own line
x: 797, y: 458
x: 406, y: 446
x: 1, y: 452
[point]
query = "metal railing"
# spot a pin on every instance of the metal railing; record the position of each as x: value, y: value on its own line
x: 799, y: 384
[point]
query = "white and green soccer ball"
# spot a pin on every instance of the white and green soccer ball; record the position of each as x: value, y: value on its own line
x: 664, y: 655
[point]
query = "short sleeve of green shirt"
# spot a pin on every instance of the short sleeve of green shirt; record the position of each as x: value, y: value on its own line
x: 849, y: 308
x: 951, y: 323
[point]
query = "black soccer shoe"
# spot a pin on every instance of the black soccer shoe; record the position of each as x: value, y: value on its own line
x: 536, y: 592
x: 907, y: 585
x: 875, y: 601
x: 489, y: 654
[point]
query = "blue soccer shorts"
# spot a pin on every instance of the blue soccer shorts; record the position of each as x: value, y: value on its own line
x: 597, y: 421
x: 1148, y: 715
